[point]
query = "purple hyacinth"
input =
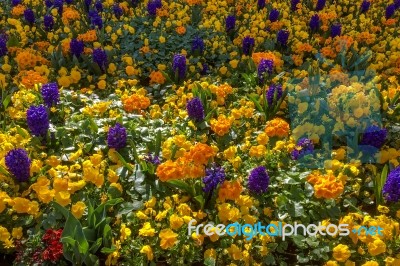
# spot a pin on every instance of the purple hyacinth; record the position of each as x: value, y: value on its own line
x: 273, y: 15
x: 374, y: 136
x: 116, y: 137
x: 320, y: 5
x: 69, y: 2
x: 265, y: 67
x: 48, y: 22
x: 260, y: 4
x: 95, y: 19
x: 293, y: 4
x: 214, y: 176
x: 336, y: 30
x: 274, y: 89
x: 87, y: 3
x: 3, y: 46
x: 48, y: 3
x: 197, y: 45
x: 258, y: 180
x: 154, y: 159
x: 99, y: 6
x: 117, y: 10
x: 247, y: 45
x: 391, y: 189
x: 195, y: 109
x: 230, y: 23
x: 204, y: 70
x: 390, y: 9
x: 38, y: 120
x: 179, y: 65
x: 282, y: 37
x: 29, y: 16
x: 397, y: 4
x: 303, y: 147
x: 314, y: 22
x: 76, y: 47
x: 19, y: 164
x: 15, y: 2
x: 50, y: 94
x: 365, y: 6
x: 100, y: 58
x: 152, y: 7
x: 59, y: 4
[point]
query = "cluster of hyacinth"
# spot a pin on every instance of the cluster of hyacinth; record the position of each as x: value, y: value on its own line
x: 283, y: 37
x: 76, y: 47
x: 365, y: 6
x: 38, y: 120
x: 116, y: 137
x: 117, y: 10
x: 230, y: 23
x: 50, y: 94
x: 336, y: 30
x: 3, y: 46
x: 197, y: 45
x: 391, y: 189
x: 260, y: 4
x: 152, y: 7
x: 179, y: 65
x: 247, y: 45
x: 374, y: 136
x: 29, y: 16
x: 303, y: 147
x: 258, y: 180
x: 274, y: 94
x: 214, y: 176
x: 314, y: 22
x: 48, y: 22
x: 195, y: 109
x: 19, y: 164
x: 273, y: 15
x: 265, y: 67
x: 95, y: 18
x: 154, y: 159
x: 100, y: 58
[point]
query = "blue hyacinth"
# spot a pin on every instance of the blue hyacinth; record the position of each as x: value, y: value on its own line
x: 48, y: 22
x: 195, y: 109
x: 179, y: 65
x: 50, y: 94
x: 197, y: 45
x: 273, y: 15
x: 100, y: 58
x: 247, y: 45
x: 29, y: 16
x: 76, y: 47
x: 275, y: 89
x: 38, y: 120
x: 303, y: 147
x: 314, y: 22
x: 258, y: 180
x: 374, y: 136
x: 265, y: 67
x: 282, y: 37
x: 116, y: 137
x: 230, y: 23
x: 336, y: 30
x: 214, y: 176
x: 365, y: 6
x: 391, y: 189
x: 18, y: 164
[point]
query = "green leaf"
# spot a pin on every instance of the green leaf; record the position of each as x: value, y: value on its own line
x: 128, y: 207
x: 123, y: 161
x: 209, y: 261
x: 6, y: 101
x: 180, y: 185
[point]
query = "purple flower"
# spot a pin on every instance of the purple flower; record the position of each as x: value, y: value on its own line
x: 179, y: 65
x: 152, y: 7
x: 247, y: 45
x: 116, y: 137
x: 50, y: 94
x: 230, y: 23
x: 88, y: 3
x: 293, y: 5
x: 204, y: 70
x: 99, y: 6
x: 260, y: 4
x: 258, y: 180
x: 15, y: 2
x: 100, y: 58
x: 390, y: 9
x: 336, y: 30
x: 273, y: 15
x: 265, y: 66
x: 95, y: 19
x: 282, y: 37
x: 59, y: 4
x: 314, y: 22
x: 391, y: 189
x: 195, y: 109
x: 303, y: 147
x: 152, y: 159
x: 19, y: 164
x: 38, y: 120
x: 29, y: 16
x: 197, y: 45
x: 320, y: 5
x: 48, y: 3
x: 68, y: 1
x: 374, y: 136
x: 272, y: 91
x: 48, y: 22
x: 214, y: 176
x: 365, y: 6
x: 397, y: 4
x: 3, y: 46
x: 76, y: 47
x: 117, y: 10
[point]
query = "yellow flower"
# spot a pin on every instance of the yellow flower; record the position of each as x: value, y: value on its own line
x: 371, y: 263
x: 147, y: 230
x: 234, y: 252
x: 341, y: 253
x: 63, y: 198
x: 102, y: 84
x: 161, y: 39
x: 168, y: 238
x: 376, y: 247
x: 210, y: 253
x: 78, y: 209
x: 383, y: 209
x: 331, y: 263
x: 125, y: 232
x: 148, y: 251
x: 175, y: 222
x: 17, y: 232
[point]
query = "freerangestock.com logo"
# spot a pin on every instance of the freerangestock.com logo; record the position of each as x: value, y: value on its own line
x: 280, y: 230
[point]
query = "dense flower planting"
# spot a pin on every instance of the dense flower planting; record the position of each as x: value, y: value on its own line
x: 124, y: 122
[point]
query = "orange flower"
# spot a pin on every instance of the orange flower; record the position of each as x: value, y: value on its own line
x: 277, y: 127
x: 169, y: 170
x: 230, y: 190
x: 69, y: 14
x: 89, y: 36
x: 18, y: 10
x: 30, y: 78
x: 181, y: 30
x: 136, y: 102
x: 168, y: 238
x: 201, y: 153
x: 157, y: 77
x: 325, y: 186
x: 221, y: 125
